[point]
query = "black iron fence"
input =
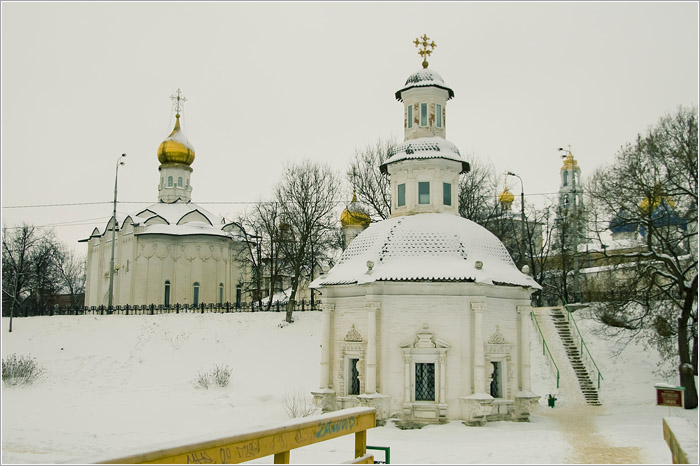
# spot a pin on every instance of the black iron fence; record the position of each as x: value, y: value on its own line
x: 153, y: 309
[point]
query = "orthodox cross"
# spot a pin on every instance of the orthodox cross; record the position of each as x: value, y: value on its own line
x: 178, y: 100
x: 425, y: 42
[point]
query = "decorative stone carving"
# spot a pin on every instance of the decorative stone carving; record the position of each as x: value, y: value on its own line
x: 353, y: 334
x: 497, y: 338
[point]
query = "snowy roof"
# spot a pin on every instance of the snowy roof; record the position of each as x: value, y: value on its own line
x: 175, y: 213
x: 422, y: 78
x: 425, y: 148
x: 430, y: 246
x: 178, y: 218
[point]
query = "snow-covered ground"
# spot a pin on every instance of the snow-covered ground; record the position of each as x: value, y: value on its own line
x: 113, y: 384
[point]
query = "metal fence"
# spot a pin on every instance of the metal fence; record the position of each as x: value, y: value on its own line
x: 153, y: 309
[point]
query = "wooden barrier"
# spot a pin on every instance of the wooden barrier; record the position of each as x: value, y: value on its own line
x: 277, y: 441
x: 682, y: 438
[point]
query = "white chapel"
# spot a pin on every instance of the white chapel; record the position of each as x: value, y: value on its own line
x: 171, y: 252
x: 425, y: 316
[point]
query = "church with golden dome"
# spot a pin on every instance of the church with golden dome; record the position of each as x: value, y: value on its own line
x: 172, y: 251
x: 425, y: 314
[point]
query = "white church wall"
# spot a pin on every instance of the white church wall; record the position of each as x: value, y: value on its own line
x: 403, y: 311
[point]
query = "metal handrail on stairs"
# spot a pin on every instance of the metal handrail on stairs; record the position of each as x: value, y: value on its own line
x: 583, y: 345
x: 545, y: 350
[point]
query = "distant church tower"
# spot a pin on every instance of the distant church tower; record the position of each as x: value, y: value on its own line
x: 175, y: 155
x: 570, y: 190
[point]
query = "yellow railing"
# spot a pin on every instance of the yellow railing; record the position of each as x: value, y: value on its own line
x: 277, y: 441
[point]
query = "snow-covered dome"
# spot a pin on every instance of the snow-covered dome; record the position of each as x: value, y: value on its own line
x: 426, y: 247
x: 424, y: 77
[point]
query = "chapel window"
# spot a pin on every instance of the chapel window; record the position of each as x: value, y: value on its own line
x: 170, y: 182
x: 179, y: 181
x: 423, y: 192
x: 425, y: 381
x: 438, y: 115
x: 566, y: 178
x: 424, y: 114
x: 401, y: 198
x: 410, y: 116
x: 166, y: 299
x: 353, y: 377
x: 447, y: 193
x: 195, y: 294
x: 239, y: 295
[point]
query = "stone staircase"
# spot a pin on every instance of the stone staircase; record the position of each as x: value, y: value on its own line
x: 588, y: 387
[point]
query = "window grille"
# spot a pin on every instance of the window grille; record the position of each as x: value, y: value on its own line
x: 425, y: 381
x: 354, y: 383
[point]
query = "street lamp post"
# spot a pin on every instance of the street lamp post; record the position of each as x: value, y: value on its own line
x: 120, y: 161
x: 522, y: 212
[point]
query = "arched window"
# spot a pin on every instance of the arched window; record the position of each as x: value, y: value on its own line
x: 221, y: 293
x: 179, y: 181
x: 170, y: 182
x: 239, y: 293
x: 409, y: 119
x: 195, y: 294
x: 566, y: 178
x: 166, y: 299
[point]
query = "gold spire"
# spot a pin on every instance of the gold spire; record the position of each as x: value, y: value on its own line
x: 425, y: 42
x: 178, y: 101
x: 175, y: 148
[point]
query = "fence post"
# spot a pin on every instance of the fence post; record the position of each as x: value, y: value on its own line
x: 228, y: 307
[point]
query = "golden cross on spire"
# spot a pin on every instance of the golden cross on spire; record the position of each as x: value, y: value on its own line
x: 425, y: 42
x: 178, y: 101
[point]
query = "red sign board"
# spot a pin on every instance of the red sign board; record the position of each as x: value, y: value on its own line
x: 669, y: 397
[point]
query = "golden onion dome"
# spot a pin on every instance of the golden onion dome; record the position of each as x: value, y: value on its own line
x: 353, y: 215
x: 506, y: 197
x: 175, y: 148
x: 570, y: 163
x: 648, y: 204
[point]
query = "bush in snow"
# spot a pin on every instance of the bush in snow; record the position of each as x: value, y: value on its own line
x: 19, y: 370
x: 297, y: 404
x: 219, y: 375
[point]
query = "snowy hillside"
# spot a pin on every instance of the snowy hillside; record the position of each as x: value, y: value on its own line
x: 115, y: 383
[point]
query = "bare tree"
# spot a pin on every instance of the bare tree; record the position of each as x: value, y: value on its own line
x: 264, y: 254
x: 371, y: 186
x: 70, y: 268
x: 23, y: 257
x: 307, y: 198
x: 652, y: 187
x: 478, y: 190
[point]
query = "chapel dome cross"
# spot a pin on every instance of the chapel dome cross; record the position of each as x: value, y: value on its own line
x: 425, y: 42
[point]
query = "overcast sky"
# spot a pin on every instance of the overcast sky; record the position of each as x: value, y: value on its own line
x: 273, y: 83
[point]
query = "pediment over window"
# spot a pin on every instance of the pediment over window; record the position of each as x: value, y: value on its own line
x: 425, y: 339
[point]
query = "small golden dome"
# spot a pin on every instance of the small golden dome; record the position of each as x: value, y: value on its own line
x: 353, y: 215
x: 506, y: 197
x: 570, y: 162
x: 176, y: 148
x: 648, y: 204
